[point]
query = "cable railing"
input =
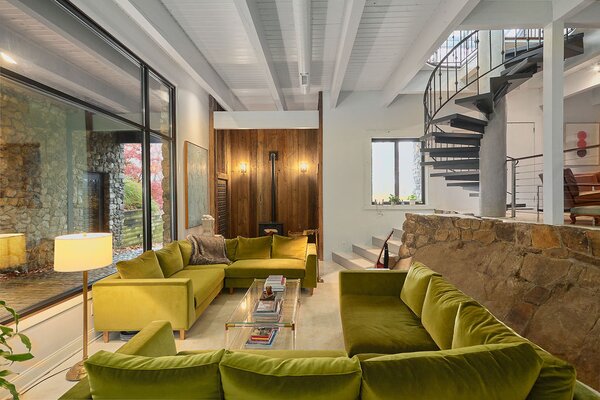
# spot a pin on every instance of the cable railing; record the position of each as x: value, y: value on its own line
x: 581, y: 180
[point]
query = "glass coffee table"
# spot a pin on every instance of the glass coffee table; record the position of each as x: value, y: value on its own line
x: 242, y: 323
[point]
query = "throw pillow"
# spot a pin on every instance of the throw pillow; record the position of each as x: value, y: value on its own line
x: 287, y: 247
x: 121, y: 376
x: 415, y: 287
x: 256, y: 377
x: 439, y: 310
x: 170, y: 259
x: 472, y: 373
x: 231, y: 248
x: 253, y: 248
x: 186, y: 251
x: 144, y: 266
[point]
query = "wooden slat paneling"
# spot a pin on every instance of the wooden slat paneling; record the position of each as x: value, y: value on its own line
x: 297, y: 194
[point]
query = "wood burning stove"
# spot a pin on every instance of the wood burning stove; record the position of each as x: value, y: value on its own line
x: 272, y: 227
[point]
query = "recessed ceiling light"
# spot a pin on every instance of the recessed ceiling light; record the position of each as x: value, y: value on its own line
x: 7, y: 58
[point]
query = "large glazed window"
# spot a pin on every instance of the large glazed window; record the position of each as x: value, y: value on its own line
x: 86, y: 145
x: 396, y: 171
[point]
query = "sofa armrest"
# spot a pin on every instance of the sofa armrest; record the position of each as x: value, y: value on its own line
x: 155, y: 340
x: 146, y: 300
x: 372, y: 282
x: 310, y: 275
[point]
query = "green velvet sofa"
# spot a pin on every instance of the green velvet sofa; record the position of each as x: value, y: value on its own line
x: 398, y: 313
x: 149, y: 367
x: 185, y: 291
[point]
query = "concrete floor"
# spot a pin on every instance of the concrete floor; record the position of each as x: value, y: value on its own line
x: 319, y: 327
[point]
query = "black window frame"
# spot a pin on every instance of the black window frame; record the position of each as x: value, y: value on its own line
x: 396, y: 141
x: 144, y: 127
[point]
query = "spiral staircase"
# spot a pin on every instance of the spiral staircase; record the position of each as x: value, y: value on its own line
x: 451, y: 142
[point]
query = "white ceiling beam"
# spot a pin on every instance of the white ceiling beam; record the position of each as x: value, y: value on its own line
x: 352, y: 16
x: 160, y: 26
x: 248, y: 12
x: 582, y: 81
x: 501, y: 14
x: 446, y: 17
x: 565, y: 9
x: 303, y: 30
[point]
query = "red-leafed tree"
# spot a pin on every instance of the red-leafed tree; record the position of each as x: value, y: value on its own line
x: 133, y: 168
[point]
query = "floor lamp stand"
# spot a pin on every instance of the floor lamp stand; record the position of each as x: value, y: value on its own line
x: 77, y: 371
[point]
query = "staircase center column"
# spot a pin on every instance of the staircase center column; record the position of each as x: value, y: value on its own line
x: 492, y: 164
x: 553, y: 98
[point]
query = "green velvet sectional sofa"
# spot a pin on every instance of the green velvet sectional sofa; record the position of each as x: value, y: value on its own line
x: 389, y: 317
x: 409, y: 335
x: 163, y: 285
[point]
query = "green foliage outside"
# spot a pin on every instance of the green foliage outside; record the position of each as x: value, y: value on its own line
x: 7, y: 353
x: 134, y: 197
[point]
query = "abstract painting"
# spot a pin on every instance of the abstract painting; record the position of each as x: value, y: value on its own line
x: 579, y: 137
x: 196, y: 184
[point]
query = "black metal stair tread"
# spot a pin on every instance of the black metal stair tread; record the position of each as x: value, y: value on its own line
x: 463, y: 184
x: 454, y: 173
x: 526, y: 65
x: 462, y: 117
x: 483, y: 102
x: 450, y: 152
x: 466, y: 149
x: 449, y: 164
x: 455, y: 135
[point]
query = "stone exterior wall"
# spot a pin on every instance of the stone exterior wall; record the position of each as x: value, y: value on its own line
x: 34, y: 154
x: 542, y: 280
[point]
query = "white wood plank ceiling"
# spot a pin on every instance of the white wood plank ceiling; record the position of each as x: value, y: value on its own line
x: 387, y: 28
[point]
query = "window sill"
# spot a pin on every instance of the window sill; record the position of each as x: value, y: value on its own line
x: 403, y: 207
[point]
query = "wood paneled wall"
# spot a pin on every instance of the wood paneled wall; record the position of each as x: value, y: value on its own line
x: 250, y: 193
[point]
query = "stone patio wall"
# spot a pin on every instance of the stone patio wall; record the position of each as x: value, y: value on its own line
x: 542, y: 280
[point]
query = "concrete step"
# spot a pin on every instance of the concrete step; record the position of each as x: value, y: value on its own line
x: 371, y: 253
x: 351, y: 260
x: 393, y: 244
x: 398, y: 232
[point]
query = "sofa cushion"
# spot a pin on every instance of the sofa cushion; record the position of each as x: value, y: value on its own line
x: 415, y: 287
x: 261, y: 269
x: 186, y: 251
x: 204, y: 281
x: 439, y: 310
x: 479, y: 372
x: 144, y: 266
x: 256, y: 377
x: 231, y: 248
x: 253, y: 248
x: 476, y: 325
x: 288, y: 247
x: 381, y: 324
x: 114, y: 375
x: 170, y: 259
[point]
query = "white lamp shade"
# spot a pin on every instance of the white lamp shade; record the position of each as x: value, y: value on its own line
x: 82, y: 252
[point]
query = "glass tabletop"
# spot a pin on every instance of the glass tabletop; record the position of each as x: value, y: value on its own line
x: 243, y: 314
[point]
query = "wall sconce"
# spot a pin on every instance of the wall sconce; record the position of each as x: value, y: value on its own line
x: 303, y: 167
x: 243, y: 167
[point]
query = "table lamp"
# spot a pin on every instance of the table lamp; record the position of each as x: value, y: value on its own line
x: 82, y: 252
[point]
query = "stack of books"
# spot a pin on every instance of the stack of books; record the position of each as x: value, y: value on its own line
x: 267, y: 310
x: 261, y: 338
x: 277, y: 282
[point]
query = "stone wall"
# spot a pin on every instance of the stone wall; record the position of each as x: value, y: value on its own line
x: 542, y: 280
x: 41, y: 140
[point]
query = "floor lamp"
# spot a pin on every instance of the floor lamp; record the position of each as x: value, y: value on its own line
x: 82, y: 252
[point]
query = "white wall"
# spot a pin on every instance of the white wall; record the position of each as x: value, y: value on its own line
x: 346, y: 217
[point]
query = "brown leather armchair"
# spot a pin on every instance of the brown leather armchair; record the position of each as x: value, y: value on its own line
x: 574, y: 196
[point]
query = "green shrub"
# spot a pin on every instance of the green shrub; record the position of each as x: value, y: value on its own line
x: 134, y: 198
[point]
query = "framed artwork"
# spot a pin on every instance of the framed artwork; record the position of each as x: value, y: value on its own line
x: 579, y: 136
x: 196, y: 183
